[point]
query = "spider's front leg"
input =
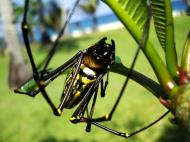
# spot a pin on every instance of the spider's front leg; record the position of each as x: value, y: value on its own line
x: 39, y: 79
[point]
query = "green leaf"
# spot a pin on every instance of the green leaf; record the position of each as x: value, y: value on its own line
x: 163, y: 22
x: 127, y: 11
x: 159, y: 15
x: 135, y: 15
x: 137, y: 11
x: 185, y: 62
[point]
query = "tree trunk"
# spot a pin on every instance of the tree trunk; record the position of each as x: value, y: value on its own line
x: 18, y: 69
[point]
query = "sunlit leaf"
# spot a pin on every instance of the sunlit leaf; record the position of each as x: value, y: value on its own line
x: 133, y: 14
x: 137, y: 11
x: 163, y: 22
x: 161, y: 12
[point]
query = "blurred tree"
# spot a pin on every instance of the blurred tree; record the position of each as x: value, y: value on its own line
x: 18, y: 69
x: 47, y: 15
x: 53, y: 17
x: 90, y: 7
x: 49, y: 19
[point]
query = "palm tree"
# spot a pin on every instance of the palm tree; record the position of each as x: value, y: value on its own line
x: 49, y: 19
x: 90, y: 7
x: 18, y: 69
x: 45, y: 18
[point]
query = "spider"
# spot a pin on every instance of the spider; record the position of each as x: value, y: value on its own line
x: 88, y: 67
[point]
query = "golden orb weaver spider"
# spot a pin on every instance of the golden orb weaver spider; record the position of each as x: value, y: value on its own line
x: 81, y: 85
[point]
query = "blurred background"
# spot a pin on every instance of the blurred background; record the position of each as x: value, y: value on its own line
x: 27, y: 119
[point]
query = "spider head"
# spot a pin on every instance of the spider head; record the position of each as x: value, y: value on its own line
x: 102, y: 52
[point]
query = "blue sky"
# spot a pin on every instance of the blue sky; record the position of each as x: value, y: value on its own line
x: 103, y: 9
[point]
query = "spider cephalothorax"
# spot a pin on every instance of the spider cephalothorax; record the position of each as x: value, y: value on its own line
x: 100, y: 55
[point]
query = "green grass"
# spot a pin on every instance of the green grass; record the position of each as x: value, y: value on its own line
x: 25, y: 119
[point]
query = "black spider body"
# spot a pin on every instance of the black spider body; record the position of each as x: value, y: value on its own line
x: 96, y: 60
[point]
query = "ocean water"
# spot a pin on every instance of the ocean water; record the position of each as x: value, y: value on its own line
x: 88, y: 23
x: 177, y: 5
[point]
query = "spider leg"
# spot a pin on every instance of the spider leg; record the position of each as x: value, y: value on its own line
x: 26, y: 40
x: 61, y: 33
x: 141, y: 43
x: 27, y: 45
x: 48, y: 78
x: 95, y: 121
x: 25, y: 28
x: 55, y: 73
x: 63, y: 101
x: 38, y: 78
x: 76, y: 116
x: 126, y: 134
x: 104, y: 85
x: 116, y: 132
x: 58, y: 111
x: 88, y: 127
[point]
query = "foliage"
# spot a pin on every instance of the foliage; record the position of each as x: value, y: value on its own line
x: 90, y: 7
x: 176, y: 92
x: 40, y: 15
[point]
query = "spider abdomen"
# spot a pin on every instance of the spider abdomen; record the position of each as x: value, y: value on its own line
x: 81, y: 85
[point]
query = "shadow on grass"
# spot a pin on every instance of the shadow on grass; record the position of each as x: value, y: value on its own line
x: 174, y: 134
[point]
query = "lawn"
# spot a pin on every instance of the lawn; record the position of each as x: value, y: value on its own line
x: 25, y: 119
